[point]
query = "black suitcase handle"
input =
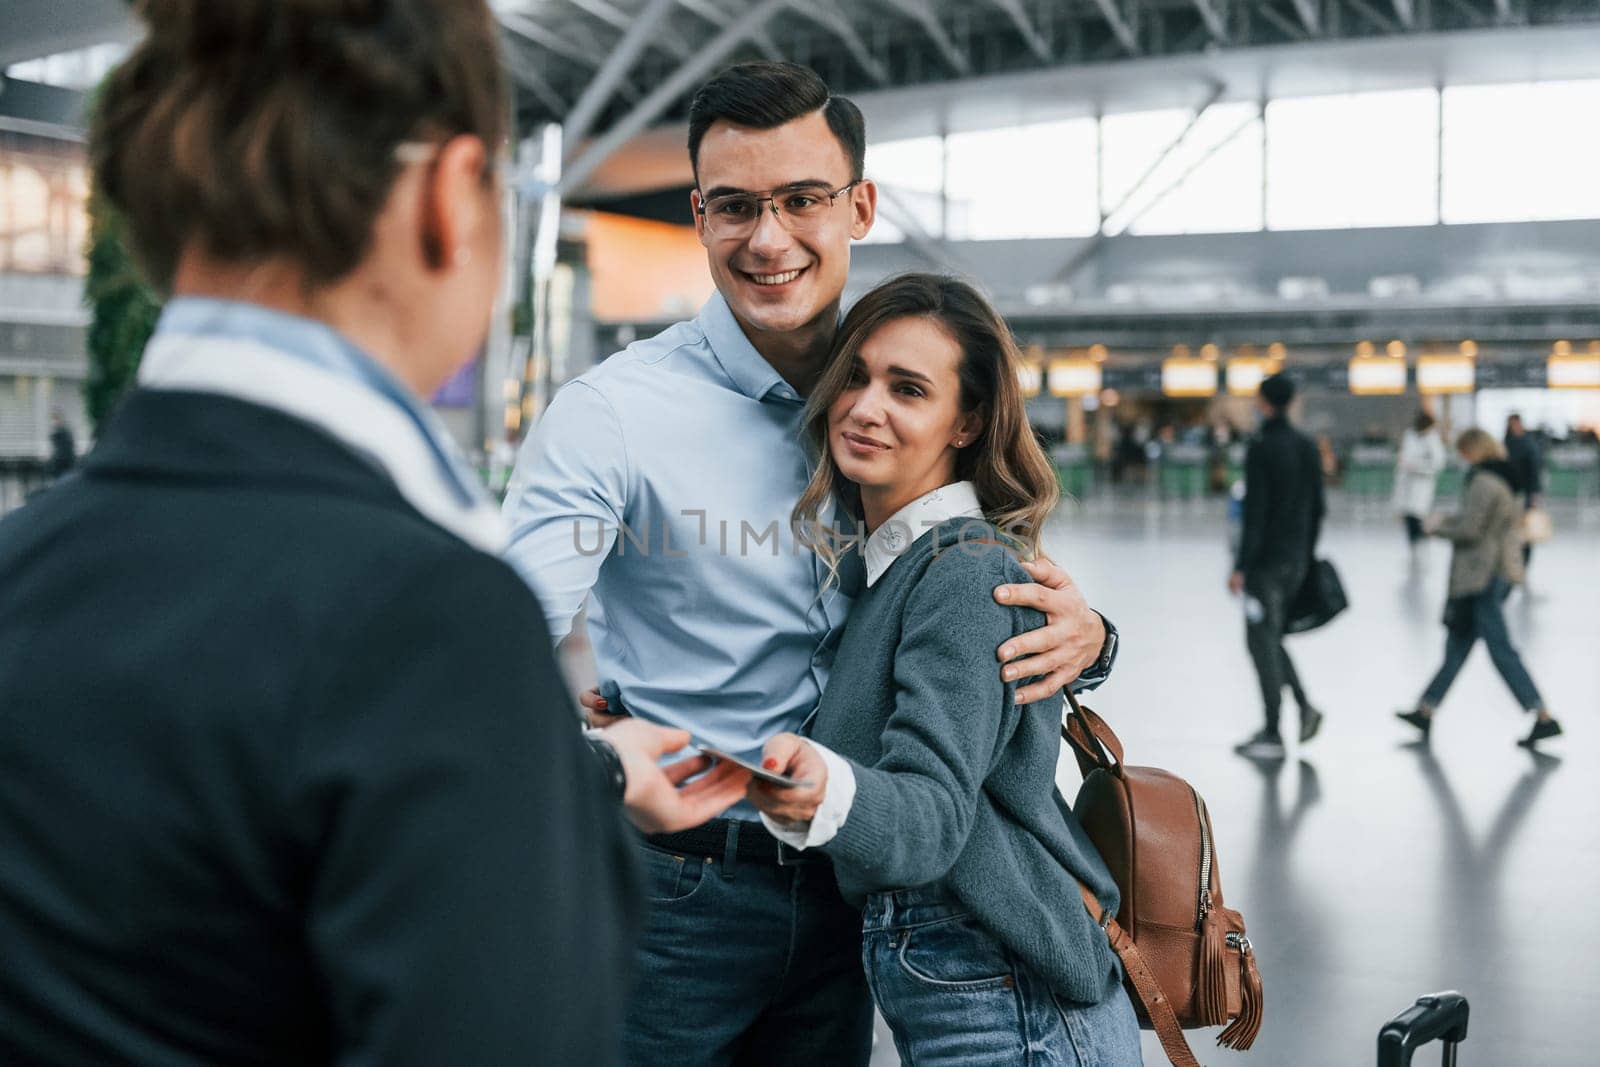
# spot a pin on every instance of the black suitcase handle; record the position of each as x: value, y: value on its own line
x: 1435, y: 1016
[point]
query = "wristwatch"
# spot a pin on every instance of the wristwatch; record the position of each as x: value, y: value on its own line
x: 1108, y: 651
x: 610, y: 762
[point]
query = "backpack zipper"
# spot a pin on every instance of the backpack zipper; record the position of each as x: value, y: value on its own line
x: 1205, y: 858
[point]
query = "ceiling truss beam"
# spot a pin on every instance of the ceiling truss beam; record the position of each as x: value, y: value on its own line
x: 830, y: 18
x: 1119, y: 25
x: 1310, y: 16
x: 1024, y: 24
x: 922, y: 12
x: 642, y: 30
x: 720, y: 18
x: 548, y: 39
x: 662, y: 96
x: 1216, y: 22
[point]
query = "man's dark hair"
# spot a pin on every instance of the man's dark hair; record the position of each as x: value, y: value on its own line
x: 1278, y: 391
x: 764, y: 96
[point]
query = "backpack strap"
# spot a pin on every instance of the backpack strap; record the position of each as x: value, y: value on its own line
x: 1156, y: 1006
x: 1093, y: 741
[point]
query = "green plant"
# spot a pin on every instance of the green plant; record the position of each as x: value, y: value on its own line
x: 123, y: 312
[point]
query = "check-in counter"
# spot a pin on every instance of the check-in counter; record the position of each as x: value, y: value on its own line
x: 1182, y: 471
x: 1369, y: 471
x: 1572, y: 472
x: 1074, y: 469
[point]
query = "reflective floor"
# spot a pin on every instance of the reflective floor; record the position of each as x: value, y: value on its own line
x: 1371, y: 870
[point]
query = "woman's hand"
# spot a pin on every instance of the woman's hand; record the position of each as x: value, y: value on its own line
x: 1063, y: 648
x: 594, y: 710
x: 792, y: 756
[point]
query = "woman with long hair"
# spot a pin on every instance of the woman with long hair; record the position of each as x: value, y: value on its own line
x: 1416, y: 473
x: 932, y: 792
x: 1485, y: 562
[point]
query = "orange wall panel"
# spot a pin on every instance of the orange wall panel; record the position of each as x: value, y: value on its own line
x: 641, y: 270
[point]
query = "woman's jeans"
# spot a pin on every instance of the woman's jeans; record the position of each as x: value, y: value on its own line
x: 954, y: 995
x: 1484, y: 619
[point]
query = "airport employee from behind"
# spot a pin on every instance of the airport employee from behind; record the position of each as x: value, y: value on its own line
x: 287, y: 772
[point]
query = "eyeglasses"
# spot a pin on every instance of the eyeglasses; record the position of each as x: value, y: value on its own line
x: 517, y: 179
x: 798, y: 209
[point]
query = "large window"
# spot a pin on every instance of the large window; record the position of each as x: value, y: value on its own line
x: 1519, y: 152
x: 1025, y: 181
x: 909, y: 174
x: 1508, y: 153
x: 1368, y: 159
x: 1020, y: 181
x: 1163, y: 175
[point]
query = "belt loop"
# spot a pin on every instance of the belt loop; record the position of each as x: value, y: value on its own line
x: 730, y: 851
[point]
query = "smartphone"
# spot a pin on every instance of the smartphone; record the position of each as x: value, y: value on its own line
x: 780, y: 780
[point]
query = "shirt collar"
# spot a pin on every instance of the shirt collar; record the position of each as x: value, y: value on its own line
x: 307, y: 369
x: 750, y: 372
x: 958, y: 500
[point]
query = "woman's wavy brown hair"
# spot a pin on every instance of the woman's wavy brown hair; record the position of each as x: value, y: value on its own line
x: 1015, y: 482
x: 263, y: 128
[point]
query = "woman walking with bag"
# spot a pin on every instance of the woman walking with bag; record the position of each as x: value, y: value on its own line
x: 1422, y: 457
x: 1485, y: 563
x: 932, y: 792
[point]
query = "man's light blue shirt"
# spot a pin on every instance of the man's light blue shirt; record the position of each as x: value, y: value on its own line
x: 663, y: 481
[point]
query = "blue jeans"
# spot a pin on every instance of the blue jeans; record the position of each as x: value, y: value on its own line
x: 954, y: 995
x: 1484, y: 619
x: 746, y: 964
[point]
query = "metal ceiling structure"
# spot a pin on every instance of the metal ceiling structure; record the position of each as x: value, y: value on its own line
x: 561, y: 47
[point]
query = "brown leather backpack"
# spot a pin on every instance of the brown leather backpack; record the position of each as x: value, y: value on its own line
x: 1188, y: 961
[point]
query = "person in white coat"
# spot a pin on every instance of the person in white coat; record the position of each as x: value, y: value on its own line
x: 1422, y: 457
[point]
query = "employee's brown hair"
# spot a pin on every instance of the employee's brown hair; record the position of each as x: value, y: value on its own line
x: 269, y: 128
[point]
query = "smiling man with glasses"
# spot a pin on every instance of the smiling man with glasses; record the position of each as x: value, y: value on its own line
x: 683, y: 454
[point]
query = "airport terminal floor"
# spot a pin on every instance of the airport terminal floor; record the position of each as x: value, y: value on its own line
x: 1370, y: 870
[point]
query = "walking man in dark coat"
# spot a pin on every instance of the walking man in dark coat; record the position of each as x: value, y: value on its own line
x: 1283, y: 509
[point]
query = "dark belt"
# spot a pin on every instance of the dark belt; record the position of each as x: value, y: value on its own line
x: 746, y: 840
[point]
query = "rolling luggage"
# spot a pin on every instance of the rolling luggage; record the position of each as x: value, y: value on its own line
x: 1437, y: 1016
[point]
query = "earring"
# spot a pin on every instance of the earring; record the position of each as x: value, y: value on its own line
x: 960, y: 441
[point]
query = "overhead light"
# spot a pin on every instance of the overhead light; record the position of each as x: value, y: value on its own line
x: 1573, y: 372
x: 1188, y: 377
x: 1438, y: 375
x: 1074, y: 377
x: 1377, y: 376
x: 1246, y: 373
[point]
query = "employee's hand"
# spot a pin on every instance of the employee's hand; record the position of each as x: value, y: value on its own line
x: 594, y: 710
x: 1064, y: 647
x: 1236, y: 582
x: 1431, y: 524
x: 793, y: 756
x: 656, y: 799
